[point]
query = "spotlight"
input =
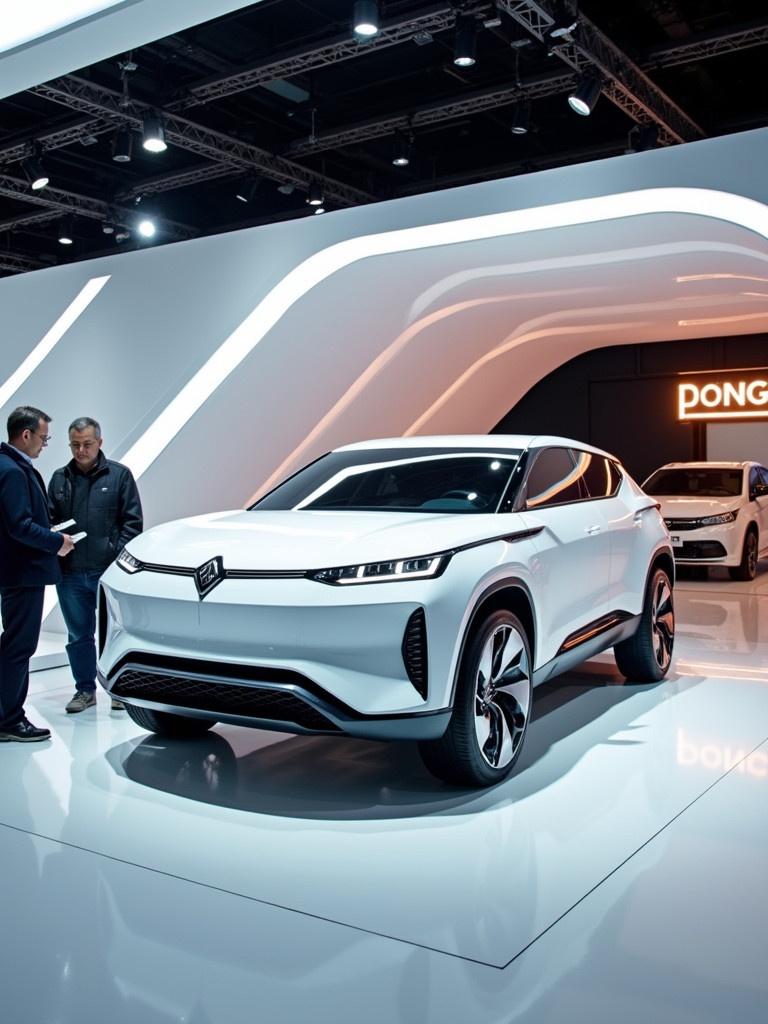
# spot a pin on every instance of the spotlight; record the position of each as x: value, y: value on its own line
x: 122, y: 235
x: 122, y: 144
x: 107, y: 227
x: 564, y: 24
x: 315, y: 196
x: 287, y: 189
x: 66, y: 234
x: 401, y: 154
x: 586, y: 94
x: 319, y: 209
x: 642, y: 137
x: 146, y: 227
x: 365, y: 18
x: 241, y: 197
x: 153, y: 135
x: 464, y: 45
x: 35, y: 172
x: 521, y: 119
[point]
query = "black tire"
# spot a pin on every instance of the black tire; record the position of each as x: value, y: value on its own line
x: 747, y: 567
x: 167, y: 724
x: 645, y: 656
x: 493, y: 692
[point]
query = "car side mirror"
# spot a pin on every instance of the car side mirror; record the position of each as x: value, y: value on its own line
x: 758, y: 491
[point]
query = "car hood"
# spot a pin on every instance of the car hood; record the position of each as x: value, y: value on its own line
x: 312, y: 540
x: 696, y: 508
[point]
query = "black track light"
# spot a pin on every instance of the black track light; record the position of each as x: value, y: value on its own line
x: 365, y: 18
x: 315, y: 195
x: 642, y: 137
x: 564, y: 24
x: 464, y: 44
x: 66, y: 232
x: 122, y: 145
x: 401, y: 153
x: 35, y: 172
x: 586, y: 94
x: 521, y: 119
x: 153, y: 134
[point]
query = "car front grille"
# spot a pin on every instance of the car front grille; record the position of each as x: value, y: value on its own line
x: 679, y: 525
x: 700, y: 549
x: 414, y: 650
x: 221, y: 698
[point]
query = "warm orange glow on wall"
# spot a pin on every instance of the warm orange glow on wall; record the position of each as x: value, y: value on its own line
x: 719, y: 398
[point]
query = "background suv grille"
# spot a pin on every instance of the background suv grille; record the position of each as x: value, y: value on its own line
x: 701, y: 549
x: 226, y: 698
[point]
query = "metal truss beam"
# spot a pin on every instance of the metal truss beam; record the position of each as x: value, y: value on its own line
x: 96, y: 101
x: 15, y: 263
x: 28, y: 219
x: 61, y: 201
x: 346, y: 47
x: 434, y: 113
x: 169, y: 182
x: 56, y: 138
x: 624, y: 83
x: 713, y: 44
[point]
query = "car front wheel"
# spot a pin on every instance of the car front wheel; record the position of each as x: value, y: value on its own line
x: 491, y: 709
x: 167, y: 724
x: 645, y: 656
x: 747, y: 568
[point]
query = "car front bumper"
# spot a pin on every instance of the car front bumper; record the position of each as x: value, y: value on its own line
x: 709, y: 545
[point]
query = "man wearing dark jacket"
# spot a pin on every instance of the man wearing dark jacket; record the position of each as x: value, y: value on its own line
x: 101, y: 496
x: 28, y: 550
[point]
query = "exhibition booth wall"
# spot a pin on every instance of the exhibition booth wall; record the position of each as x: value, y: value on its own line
x: 625, y: 398
x: 220, y: 364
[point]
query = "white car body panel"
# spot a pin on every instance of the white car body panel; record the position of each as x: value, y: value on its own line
x: 575, y: 563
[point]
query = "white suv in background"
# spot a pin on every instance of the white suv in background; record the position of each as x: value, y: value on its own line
x: 716, y: 513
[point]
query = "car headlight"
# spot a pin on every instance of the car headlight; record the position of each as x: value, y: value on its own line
x: 726, y: 517
x: 428, y: 566
x: 128, y: 563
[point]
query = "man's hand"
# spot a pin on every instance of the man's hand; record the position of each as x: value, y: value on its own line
x: 67, y: 545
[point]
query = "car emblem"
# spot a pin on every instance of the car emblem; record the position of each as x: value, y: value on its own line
x: 209, y: 575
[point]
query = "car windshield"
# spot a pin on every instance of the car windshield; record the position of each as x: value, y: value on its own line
x: 462, y: 481
x: 695, y: 483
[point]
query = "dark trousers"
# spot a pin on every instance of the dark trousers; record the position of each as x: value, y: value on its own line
x: 22, y: 614
x: 78, y: 593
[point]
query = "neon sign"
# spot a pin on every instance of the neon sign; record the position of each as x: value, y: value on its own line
x: 724, y: 397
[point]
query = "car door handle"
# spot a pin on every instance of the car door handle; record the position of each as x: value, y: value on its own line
x: 638, y: 518
x: 593, y: 529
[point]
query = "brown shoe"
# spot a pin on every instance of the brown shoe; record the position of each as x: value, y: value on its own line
x: 82, y: 699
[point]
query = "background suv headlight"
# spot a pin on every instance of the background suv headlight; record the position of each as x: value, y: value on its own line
x: 726, y: 517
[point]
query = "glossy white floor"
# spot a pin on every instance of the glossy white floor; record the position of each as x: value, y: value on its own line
x: 619, y: 875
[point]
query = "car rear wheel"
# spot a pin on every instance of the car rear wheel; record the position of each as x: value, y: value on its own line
x: 491, y: 710
x: 645, y: 656
x: 747, y: 567
x: 167, y: 724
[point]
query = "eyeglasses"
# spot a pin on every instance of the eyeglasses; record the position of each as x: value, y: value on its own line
x: 44, y: 438
x: 85, y: 445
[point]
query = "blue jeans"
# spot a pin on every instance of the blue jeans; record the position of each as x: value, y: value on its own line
x: 78, y: 592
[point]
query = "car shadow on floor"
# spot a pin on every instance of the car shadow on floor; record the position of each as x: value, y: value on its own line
x: 328, y: 778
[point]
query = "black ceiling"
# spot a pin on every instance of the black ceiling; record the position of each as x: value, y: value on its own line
x: 260, y: 102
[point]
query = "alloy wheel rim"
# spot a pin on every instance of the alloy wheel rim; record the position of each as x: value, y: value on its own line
x: 663, y: 622
x: 502, y: 699
x: 752, y: 554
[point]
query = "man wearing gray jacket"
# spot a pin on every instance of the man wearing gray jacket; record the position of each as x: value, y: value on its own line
x: 102, y: 497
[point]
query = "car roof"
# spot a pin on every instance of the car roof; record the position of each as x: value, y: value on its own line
x: 495, y: 442
x: 707, y: 465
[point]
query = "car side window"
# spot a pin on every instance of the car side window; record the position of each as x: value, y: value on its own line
x: 754, y: 480
x: 553, y: 479
x: 598, y: 475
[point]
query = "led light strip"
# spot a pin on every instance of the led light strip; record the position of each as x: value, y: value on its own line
x: 49, y: 341
x: 710, y: 203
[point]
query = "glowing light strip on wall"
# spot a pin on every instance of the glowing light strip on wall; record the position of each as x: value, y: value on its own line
x: 49, y: 341
x: 710, y: 203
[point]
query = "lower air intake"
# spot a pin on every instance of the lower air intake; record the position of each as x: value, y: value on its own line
x: 415, y: 651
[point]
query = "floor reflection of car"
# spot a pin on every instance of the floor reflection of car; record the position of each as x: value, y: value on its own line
x: 400, y: 589
x: 716, y: 512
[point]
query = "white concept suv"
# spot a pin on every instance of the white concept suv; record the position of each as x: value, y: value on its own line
x: 401, y: 589
x: 716, y: 513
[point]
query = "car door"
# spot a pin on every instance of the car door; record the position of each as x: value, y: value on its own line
x: 572, y: 563
x: 758, y: 494
x: 629, y: 543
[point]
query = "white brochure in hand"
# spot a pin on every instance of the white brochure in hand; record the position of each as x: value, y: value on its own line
x: 60, y: 527
x: 78, y: 536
